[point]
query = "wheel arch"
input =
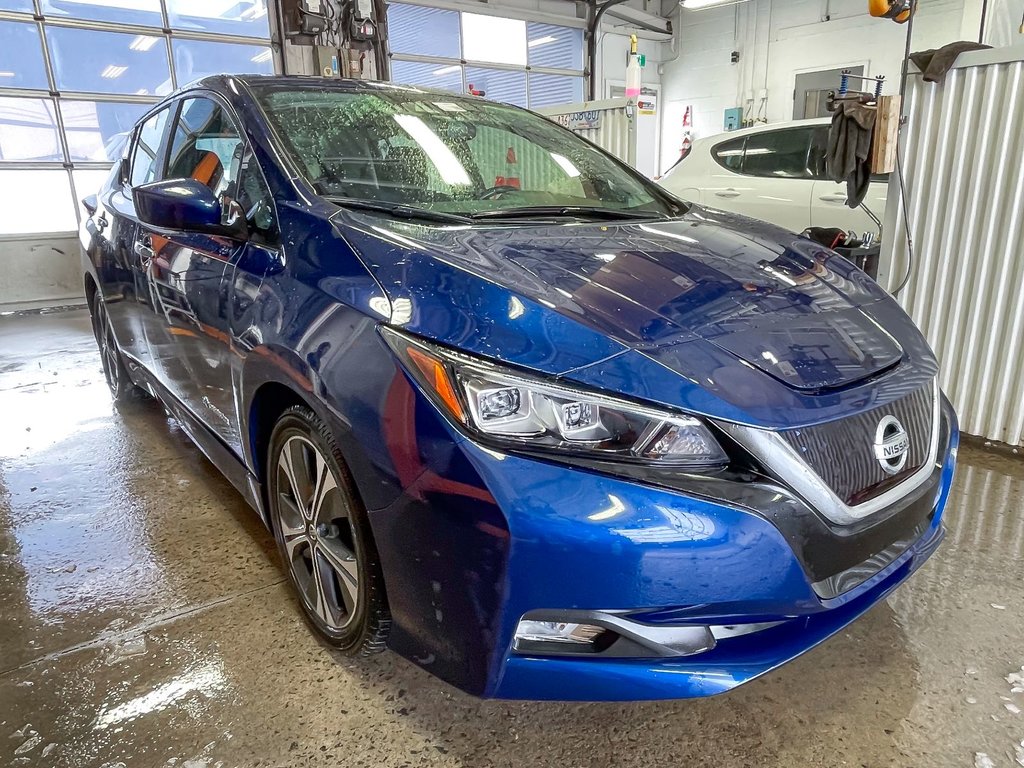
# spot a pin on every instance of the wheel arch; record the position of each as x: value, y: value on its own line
x: 91, y: 289
x: 266, y: 405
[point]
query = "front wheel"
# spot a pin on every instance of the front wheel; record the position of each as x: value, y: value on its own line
x: 323, y: 535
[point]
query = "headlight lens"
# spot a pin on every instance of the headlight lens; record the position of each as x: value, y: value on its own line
x: 516, y: 410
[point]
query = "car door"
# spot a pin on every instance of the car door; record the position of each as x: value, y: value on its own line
x: 120, y: 266
x: 828, y: 198
x: 768, y: 179
x: 189, y: 273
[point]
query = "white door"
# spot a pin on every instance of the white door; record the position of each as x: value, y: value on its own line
x: 828, y: 198
x: 829, y: 208
x: 764, y: 175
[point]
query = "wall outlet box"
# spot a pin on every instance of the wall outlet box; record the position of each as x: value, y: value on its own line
x: 733, y: 118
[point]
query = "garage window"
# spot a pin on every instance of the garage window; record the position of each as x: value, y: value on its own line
x: 72, y: 85
x: 527, y: 63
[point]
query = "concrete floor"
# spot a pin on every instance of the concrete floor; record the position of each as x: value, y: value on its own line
x: 144, y: 621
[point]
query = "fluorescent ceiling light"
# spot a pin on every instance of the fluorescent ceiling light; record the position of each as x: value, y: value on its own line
x: 541, y: 41
x: 143, y: 42
x: 446, y: 70
x: 696, y: 5
x: 262, y: 56
x: 6, y: 73
x: 253, y: 12
x: 440, y: 155
x: 113, y: 71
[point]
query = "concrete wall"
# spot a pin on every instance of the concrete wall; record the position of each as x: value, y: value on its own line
x: 40, y: 270
x: 778, y: 39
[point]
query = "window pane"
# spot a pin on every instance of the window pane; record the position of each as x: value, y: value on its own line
x: 729, y: 154
x: 123, y: 11
x: 28, y: 130
x: 97, y: 130
x: 448, y: 77
x: 491, y: 38
x: 194, y: 59
x: 228, y: 17
x: 781, y: 154
x: 498, y: 84
x: 36, y: 201
x: 108, y: 62
x: 554, y: 46
x: 144, y: 162
x: 21, y: 56
x: 548, y: 90
x: 25, y: 6
x: 424, y: 31
x: 254, y: 196
x: 206, y: 146
x: 88, y: 182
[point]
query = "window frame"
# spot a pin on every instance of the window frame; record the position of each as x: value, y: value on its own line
x: 249, y: 159
x: 160, y: 159
x: 221, y: 104
x: 743, y: 152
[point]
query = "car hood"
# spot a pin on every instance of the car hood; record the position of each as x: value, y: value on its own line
x: 751, y: 317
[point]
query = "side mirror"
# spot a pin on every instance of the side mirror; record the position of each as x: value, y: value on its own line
x: 183, y: 205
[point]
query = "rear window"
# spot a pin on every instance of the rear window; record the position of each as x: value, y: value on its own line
x: 781, y: 154
x: 729, y: 154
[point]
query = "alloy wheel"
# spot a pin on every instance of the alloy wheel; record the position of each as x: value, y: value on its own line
x: 317, y: 533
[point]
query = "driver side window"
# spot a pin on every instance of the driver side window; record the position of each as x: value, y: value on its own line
x: 206, y: 146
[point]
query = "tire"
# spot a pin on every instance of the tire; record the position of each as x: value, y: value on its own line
x: 122, y: 388
x: 323, y: 535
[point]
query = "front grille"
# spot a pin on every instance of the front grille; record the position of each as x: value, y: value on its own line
x: 842, y: 452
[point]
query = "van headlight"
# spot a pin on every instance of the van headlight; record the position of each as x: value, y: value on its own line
x: 515, y: 410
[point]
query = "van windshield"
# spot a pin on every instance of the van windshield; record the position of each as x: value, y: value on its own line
x: 447, y: 153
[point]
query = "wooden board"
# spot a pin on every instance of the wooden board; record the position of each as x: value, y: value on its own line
x: 887, y: 134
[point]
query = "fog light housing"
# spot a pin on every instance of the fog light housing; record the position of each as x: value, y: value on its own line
x: 579, y: 638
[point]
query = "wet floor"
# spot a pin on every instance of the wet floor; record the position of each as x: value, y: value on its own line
x: 144, y: 622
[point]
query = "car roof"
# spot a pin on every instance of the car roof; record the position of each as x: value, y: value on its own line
x: 764, y: 127
x: 299, y: 82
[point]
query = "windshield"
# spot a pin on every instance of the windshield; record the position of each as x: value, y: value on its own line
x: 448, y: 153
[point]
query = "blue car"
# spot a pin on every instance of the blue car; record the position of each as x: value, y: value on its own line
x: 510, y: 409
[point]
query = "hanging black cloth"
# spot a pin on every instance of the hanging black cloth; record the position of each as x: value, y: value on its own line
x: 849, y: 148
x: 936, y: 62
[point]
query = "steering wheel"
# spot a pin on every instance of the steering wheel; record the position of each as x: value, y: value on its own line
x: 497, y: 191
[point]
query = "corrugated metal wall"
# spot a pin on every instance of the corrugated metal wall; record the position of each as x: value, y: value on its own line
x: 963, y: 160
x: 616, y: 130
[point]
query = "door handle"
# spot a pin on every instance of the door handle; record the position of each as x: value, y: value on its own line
x: 833, y: 198
x: 727, y: 193
x: 144, y: 250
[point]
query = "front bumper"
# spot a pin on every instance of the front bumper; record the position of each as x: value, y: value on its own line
x: 481, y: 538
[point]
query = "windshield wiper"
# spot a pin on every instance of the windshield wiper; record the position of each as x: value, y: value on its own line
x: 564, y: 211
x: 398, y: 210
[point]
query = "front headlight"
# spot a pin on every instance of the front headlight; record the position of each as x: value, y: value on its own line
x: 516, y: 410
